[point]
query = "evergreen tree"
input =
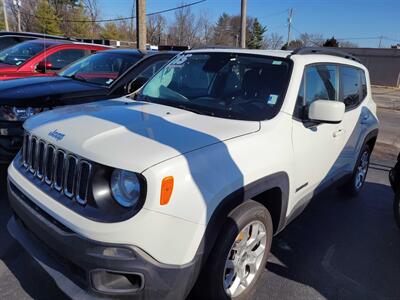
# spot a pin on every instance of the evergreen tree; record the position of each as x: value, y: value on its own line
x: 221, y: 29
x: 47, y: 21
x: 256, y: 35
x: 79, y: 29
x: 332, y: 42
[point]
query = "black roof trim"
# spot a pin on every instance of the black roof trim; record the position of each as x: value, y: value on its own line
x: 324, y: 50
x: 35, y: 35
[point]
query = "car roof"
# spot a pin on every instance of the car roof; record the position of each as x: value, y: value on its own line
x: 125, y: 51
x: 308, y: 53
x: 276, y: 53
x: 51, y: 43
x: 33, y: 35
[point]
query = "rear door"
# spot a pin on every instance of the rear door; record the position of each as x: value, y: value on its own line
x: 353, y: 91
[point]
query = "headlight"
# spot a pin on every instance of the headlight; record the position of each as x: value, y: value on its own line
x: 13, y: 113
x: 125, y: 187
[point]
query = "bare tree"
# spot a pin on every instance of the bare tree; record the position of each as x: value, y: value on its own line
x: 348, y: 44
x: 28, y: 19
x: 155, y: 29
x: 184, y: 28
x: 274, y: 41
x: 206, y: 28
x: 311, y: 39
x: 93, y: 11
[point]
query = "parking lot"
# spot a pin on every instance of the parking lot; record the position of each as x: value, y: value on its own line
x: 339, y: 248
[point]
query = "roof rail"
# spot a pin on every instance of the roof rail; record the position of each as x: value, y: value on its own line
x: 324, y: 50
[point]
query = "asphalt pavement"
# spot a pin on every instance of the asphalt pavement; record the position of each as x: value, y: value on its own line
x: 338, y: 248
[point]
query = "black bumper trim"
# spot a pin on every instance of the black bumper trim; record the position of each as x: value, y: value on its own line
x: 69, y: 257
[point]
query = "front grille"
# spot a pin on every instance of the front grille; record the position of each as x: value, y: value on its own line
x: 62, y: 171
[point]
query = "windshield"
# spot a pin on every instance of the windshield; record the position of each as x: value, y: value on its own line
x: 227, y: 85
x: 19, y: 53
x: 100, y: 68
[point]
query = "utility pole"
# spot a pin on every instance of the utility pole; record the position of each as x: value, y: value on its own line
x: 141, y: 24
x: 289, y: 25
x: 243, y: 26
x: 17, y: 4
x: 131, y: 25
x: 380, y: 41
x: 5, y: 15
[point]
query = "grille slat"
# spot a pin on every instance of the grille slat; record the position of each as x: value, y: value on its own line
x: 62, y: 171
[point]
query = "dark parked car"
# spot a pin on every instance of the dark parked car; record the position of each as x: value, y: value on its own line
x: 104, y: 75
x: 394, y: 178
x: 9, y: 38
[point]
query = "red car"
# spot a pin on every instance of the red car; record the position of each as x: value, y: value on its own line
x: 42, y: 57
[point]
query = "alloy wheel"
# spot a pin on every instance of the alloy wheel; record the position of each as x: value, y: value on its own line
x: 362, y: 170
x: 244, y: 258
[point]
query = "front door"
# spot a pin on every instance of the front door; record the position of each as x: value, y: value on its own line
x: 317, y: 146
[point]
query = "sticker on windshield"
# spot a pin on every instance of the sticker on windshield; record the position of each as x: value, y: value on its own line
x: 277, y: 62
x: 109, y: 81
x: 180, y: 60
x: 272, y: 99
x: 18, y: 63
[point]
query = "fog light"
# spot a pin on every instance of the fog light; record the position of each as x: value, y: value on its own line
x: 114, y: 282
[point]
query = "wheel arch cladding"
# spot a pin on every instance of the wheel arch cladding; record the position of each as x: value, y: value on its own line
x: 271, y: 191
x: 371, y: 138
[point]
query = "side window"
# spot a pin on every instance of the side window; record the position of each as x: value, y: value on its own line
x: 320, y: 83
x: 145, y: 75
x: 152, y: 69
x: 350, y: 89
x: 62, y: 58
x: 364, y: 90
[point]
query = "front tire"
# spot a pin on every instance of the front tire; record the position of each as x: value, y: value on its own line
x: 239, y: 255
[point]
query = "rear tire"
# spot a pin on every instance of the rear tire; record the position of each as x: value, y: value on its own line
x: 239, y: 255
x: 354, y: 185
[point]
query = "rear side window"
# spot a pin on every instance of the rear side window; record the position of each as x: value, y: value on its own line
x: 62, y: 58
x: 364, y: 90
x: 350, y: 86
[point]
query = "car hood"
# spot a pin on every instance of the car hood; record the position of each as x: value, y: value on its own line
x: 44, y: 90
x: 7, y: 68
x: 130, y: 134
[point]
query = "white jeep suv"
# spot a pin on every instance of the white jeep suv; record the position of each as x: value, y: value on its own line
x: 182, y: 188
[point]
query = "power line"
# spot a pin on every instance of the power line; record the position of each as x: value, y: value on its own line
x: 120, y: 19
x: 355, y: 38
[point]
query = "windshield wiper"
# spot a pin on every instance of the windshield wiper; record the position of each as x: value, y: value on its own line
x: 194, y: 110
x: 74, y: 77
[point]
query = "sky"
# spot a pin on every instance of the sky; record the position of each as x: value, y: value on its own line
x: 359, y: 21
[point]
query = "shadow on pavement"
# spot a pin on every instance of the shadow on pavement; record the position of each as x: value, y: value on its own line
x: 341, y: 248
x: 29, y: 275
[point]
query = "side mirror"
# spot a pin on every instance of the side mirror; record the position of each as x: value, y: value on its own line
x: 43, y: 66
x: 326, y: 111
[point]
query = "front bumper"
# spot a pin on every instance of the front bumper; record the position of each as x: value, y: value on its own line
x: 11, y: 136
x: 87, y: 268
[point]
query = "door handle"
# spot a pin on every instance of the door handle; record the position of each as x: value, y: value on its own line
x: 338, y: 132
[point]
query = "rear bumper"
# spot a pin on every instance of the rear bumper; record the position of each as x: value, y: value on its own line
x: 83, y: 267
x: 11, y: 135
